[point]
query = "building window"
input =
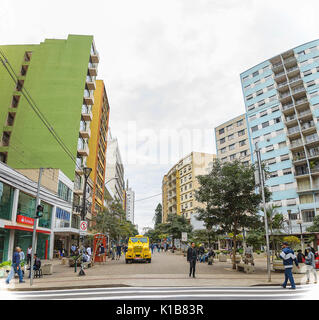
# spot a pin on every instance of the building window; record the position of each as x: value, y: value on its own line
x: 265, y: 124
x: 274, y: 109
x: 310, y: 83
x: 256, y: 73
x: 6, y: 201
x: 273, y: 174
x: 26, y: 205
x: 286, y: 171
x: 241, y: 133
x: 270, y: 87
x: 263, y: 114
x: 240, y: 123
x: 232, y: 157
x: 259, y: 92
x: 232, y: 147
x: 230, y: 127
x: 307, y: 73
x: 231, y: 137
x: 243, y: 153
x: 221, y: 141
x: 221, y: 131
x: 64, y: 192
x: 255, y: 128
x: 277, y: 120
x: 242, y: 143
x: 251, y: 107
x: 308, y: 215
x: 223, y: 150
x: 249, y: 97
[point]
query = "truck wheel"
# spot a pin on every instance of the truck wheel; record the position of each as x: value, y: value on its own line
x: 149, y: 260
x: 126, y: 261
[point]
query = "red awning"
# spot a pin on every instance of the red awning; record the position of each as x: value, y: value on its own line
x: 26, y: 229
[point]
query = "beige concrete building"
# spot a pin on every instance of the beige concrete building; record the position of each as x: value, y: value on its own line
x: 180, y: 183
x: 232, y: 140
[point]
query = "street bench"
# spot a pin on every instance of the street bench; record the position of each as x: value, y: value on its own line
x: 245, y: 268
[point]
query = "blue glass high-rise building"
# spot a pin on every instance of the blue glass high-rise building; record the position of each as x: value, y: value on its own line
x: 282, y: 112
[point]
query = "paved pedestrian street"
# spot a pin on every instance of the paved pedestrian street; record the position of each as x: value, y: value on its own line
x: 165, y: 278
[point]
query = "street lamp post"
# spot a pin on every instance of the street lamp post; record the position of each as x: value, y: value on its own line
x: 87, y: 172
x: 261, y: 180
x: 300, y: 225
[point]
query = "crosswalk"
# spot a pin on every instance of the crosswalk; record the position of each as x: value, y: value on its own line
x: 168, y: 293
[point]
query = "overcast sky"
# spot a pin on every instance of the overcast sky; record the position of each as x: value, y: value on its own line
x: 168, y: 64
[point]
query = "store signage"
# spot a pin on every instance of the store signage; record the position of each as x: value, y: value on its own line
x: 25, y: 220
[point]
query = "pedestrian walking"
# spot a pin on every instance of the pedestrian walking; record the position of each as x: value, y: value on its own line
x: 152, y: 247
x: 288, y: 257
x: 29, y: 254
x: 118, y: 251
x: 89, y: 252
x: 192, y: 258
x: 36, y: 264
x: 158, y: 247
x: 201, y: 252
x: 300, y: 257
x: 15, y: 268
x: 310, y: 265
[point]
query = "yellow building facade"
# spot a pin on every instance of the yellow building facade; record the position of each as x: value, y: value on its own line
x: 98, y: 145
x: 180, y: 183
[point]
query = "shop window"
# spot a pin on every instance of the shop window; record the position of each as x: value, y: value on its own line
x: 26, y: 205
x: 4, y: 244
x: 6, y: 200
x: 45, y: 220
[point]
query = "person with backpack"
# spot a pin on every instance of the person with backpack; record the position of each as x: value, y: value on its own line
x: 288, y: 257
x: 310, y: 265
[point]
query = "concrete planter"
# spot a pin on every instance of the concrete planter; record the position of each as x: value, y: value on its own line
x: 47, y: 268
x: 64, y: 261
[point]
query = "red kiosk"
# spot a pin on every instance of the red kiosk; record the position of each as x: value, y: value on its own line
x: 99, y: 239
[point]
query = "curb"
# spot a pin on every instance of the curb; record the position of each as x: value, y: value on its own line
x: 69, y: 287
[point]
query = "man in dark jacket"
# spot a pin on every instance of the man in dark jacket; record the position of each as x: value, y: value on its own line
x: 15, y: 267
x: 288, y: 257
x: 191, y: 258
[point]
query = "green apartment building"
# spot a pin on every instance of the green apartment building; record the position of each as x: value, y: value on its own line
x: 59, y: 75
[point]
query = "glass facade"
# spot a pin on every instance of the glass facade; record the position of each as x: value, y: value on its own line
x: 45, y: 220
x: 26, y: 205
x: 6, y: 201
x: 64, y: 192
x: 4, y: 244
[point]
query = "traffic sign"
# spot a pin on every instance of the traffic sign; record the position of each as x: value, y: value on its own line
x: 83, y: 227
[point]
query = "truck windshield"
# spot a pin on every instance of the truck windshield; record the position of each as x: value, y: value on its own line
x: 144, y: 240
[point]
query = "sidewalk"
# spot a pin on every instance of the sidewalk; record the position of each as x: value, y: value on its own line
x: 220, y: 274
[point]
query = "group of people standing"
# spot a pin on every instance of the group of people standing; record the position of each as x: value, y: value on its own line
x: 117, y: 250
x: 17, y: 259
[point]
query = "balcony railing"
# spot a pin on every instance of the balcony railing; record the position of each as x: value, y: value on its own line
x: 299, y: 156
x: 283, y: 84
x: 290, y: 59
x: 284, y: 95
x: 299, y: 89
x: 312, y: 138
x: 292, y: 69
x: 290, y: 118
x: 313, y: 152
x: 292, y: 80
x: 302, y: 171
x: 293, y: 130
x: 304, y: 113
x: 296, y: 143
x: 287, y: 106
x: 300, y: 101
x: 308, y: 125
x: 277, y: 75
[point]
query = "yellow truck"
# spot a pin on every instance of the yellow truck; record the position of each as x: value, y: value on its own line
x: 138, y: 249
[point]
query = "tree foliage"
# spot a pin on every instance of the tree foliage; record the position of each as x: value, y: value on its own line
x: 231, y: 202
x: 315, y: 225
x: 113, y: 221
x: 158, y: 215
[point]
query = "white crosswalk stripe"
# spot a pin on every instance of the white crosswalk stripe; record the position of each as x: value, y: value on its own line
x: 166, y: 293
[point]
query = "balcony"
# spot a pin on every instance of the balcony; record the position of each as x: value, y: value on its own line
x: 88, y: 98
x: 283, y: 86
x: 292, y: 71
x: 293, y: 131
x: 287, y: 107
x: 298, y: 156
x: 291, y: 120
x: 312, y: 139
x: 305, y: 115
x: 299, y: 91
x: 314, y: 170
x: 308, y: 127
x: 301, y: 102
x: 85, y: 132
x: 295, y: 81
x: 313, y: 152
x: 290, y: 62
x: 90, y: 83
x: 95, y: 57
x: 87, y: 113
x: 280, y: 76
x: 296, y: 144
x: 301, y: 171
x: 83, y: 150
x: 92, y: 68
x: 78, y: 189
x: 284, y: 95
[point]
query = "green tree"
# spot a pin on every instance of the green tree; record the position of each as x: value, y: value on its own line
x: 158, y: 215
x: 315, y: 225
x: 231, y: 203
x: 175, y: 225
